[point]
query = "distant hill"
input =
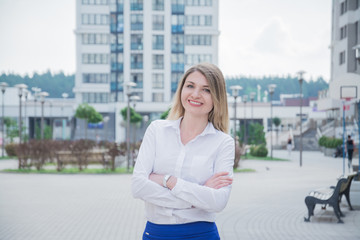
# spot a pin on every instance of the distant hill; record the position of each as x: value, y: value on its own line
x: 56, y: 84
x: 284, y: 85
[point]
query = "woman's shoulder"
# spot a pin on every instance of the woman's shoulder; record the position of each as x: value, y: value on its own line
x: 160, y: 123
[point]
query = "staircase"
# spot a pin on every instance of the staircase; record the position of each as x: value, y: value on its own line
x: 309, y: 141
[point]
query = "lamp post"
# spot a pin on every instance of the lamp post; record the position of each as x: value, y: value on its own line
x: 134, y: 99
x: 64, y: 120
x: 300, y: 78
x: 271, y: 92
x: 21, y: 88
x: 235, y: 93
x: 3, y: 86
x: 42, y: 99
x: 245, y: 138
x: 26, y: 94
x: 36, y: 91
x: 128, y: 85
x: 252, y: 97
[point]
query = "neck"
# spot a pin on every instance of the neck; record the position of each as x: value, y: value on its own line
x: 194, y: 125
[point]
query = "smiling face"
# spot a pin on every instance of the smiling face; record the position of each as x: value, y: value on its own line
x: 195, y: 95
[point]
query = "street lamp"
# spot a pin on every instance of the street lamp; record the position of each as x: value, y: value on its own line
x: 42, y: 99
x: 21, y: 87
x: 252, y: 97
x: 3, y: 86
x: 26, y: 94
x: 36, y: 91
x: 245, y: 100
x: 271, y: 88
x: 128, y: 86
x: 64, y: 120
x: 300, y: 78
x: 235, y: 93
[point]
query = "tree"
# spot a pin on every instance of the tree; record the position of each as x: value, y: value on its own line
x: 165, y: 114
x: 256, y: 134
x: 277, y: 122
x: 134, y: 116
x: 88, y: 113
x: 12, y: 129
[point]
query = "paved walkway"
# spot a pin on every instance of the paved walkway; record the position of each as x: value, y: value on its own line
x: 268, y: 204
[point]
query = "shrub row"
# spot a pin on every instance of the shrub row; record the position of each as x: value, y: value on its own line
x: 259, y: 150
x: 330, y: 142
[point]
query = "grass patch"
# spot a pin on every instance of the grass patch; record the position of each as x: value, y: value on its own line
x: 7, y: 158
x: 242, y: 170
x: 250, y: 157
x: 71, y: 171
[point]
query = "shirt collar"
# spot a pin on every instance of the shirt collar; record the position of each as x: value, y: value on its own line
x: 209, y: 129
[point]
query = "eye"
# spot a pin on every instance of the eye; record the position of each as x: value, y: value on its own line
x: 206, y: 90
x: 189, y: 86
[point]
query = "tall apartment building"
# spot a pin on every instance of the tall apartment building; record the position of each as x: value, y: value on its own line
x: 345, y: 63
x: 148, y: 42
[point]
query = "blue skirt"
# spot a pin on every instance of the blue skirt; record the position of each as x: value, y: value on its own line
x: 195, y: 231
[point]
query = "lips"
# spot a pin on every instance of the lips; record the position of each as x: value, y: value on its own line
x: 194, y: 103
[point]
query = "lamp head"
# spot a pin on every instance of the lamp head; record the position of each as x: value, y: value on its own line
x: 271, y: 88
x: 235, y: 90
x: 21, y: 88
x: 245, y: 98
x: 3, y: 86
x: 252, y: 96
x: 300, y: 76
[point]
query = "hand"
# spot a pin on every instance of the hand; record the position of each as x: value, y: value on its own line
x: 219, y: 180
x: 156, y: 178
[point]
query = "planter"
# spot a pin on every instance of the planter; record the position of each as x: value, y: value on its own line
x: 329, y: 152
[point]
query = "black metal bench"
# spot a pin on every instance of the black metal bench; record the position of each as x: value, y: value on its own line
x: 330, y: 196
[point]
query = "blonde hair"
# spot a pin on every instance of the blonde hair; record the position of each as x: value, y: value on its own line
x: 219, y: 115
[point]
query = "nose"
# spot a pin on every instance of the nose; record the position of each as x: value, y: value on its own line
x: 195, y: 93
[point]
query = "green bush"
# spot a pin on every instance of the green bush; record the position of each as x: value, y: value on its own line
x: 10, y: 149
x: 329, y: 142
x: 259, y: 150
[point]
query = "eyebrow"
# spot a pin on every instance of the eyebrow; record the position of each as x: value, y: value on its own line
x: 188, y: 81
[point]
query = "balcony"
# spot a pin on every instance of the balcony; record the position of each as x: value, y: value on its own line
x: 136, y: 6
x: 117, y: 67
x: 136, y: 26
x: 136, y: 46
x: 177, y: 48
x: 177, y: 67
x: 177, y: 29
x: 177, y: 9
x: 116, y: 28
x: 117, y: 48
x: 137, y: 65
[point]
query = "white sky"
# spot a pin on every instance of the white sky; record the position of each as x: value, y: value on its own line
x: 258, y: 37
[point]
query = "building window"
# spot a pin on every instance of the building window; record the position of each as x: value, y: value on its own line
x: 198, y: 20
x: 136, y: 5
x: 95, y: 58
x: 117, y: 62
x: 136, y: 41
x: 158, y: 80
x: 175, y: 78
x: 95, y: 97
x: 192, y: 59
x: 136, y: 61
x: 342, y: 58
x: 94, y: 38
x: 117, y: 42
x: 158, y: 22
x: 198, y: 2
x: 136, y: 21
x: 177, y: 63
x: 158, y: 61
x: 343, y: 7
x: 94, y: 19
x: 177, y: 43
x: 95, y: 78
x: 198, y: 40
x: 158, y: 97
x: 138, y: 79
x: 343, y: 31
x: 94, y: 2
x: 158, y: 42
x: 158, y: 5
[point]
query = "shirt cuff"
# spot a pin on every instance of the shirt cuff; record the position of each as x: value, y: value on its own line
x: 178, y: 187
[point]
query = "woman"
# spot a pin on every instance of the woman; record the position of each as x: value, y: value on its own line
x: 184, y: 168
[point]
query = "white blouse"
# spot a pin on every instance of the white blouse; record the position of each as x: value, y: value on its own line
x: 162, y: 152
